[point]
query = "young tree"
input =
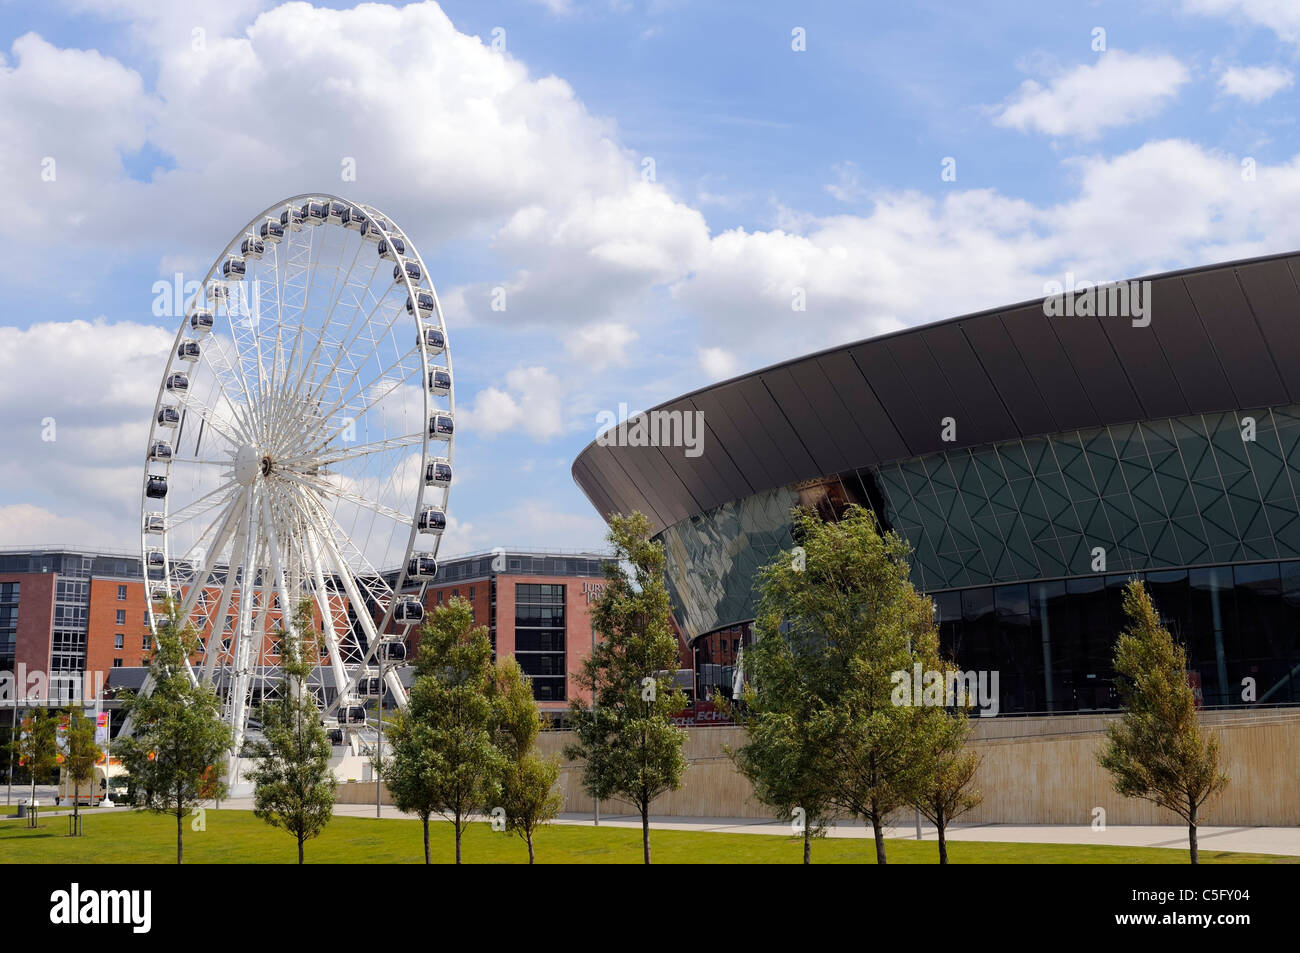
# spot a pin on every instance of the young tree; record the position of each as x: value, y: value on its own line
x: 785, y: 716
x: 1156, y: 750
x: 36, y: 749
x: 630, y: 748
x: 943, y: 790
x: 527, y: 779
x: 443, y: 760
x: 844, y: 603
x: 80, y: 754
x: 180, y: 746
x: 294, y: 788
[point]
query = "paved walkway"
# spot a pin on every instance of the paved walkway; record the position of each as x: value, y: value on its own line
x: 1261, y: 840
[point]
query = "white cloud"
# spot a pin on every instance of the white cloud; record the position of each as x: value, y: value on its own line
x: 1254, y: 84
x: 601, y: 345
x: 1120, y: 88
x: 531, y: 402
x: 846, y: 187
x: 1280, y: 16
x: 718, y: 363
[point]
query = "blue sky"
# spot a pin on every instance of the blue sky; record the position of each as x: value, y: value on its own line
x: 524, y: 168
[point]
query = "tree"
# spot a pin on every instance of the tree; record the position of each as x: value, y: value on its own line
x: 785, y: 716
x: 294, y: 788
x: 1156, y: 750
x: 443, y: 760
x: 943, y: 790
x: 80, y: 755
x: 527, y: 779
x: 844, y: 605
x: 177, y: 755
x: 629, y: 746
x: 37, y: 750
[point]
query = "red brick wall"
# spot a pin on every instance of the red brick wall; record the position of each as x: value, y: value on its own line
x: 35, y: 619
x: 101, y: 624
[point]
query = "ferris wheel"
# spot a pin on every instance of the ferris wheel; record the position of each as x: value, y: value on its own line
x: 301, y: 447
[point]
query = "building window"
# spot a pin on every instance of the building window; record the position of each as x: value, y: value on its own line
x: 117, y: 663
x: 121, y: 617
x: 146, y: 616
x: 145, y: 642
x: 540, y: 638
x: 119, y: 641
x: 121, y: 593
x: 471, y: 593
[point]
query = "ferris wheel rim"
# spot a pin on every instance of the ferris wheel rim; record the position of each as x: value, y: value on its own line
x: 236, y: 506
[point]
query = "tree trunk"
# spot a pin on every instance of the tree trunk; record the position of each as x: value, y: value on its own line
x: 458, y: 838
x: 879, y: 831
x: 1191, y: 835
x: 807, y: 842
x: 528, y: 836
x: 425, y: 819
x: 31, y: 804
x: 76, y: 804
x: 300, y: 850
x: 941, y: 823
x: 645, y: 830
x: 180, y: 813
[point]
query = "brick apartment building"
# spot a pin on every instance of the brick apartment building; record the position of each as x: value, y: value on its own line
x: 65, y: 613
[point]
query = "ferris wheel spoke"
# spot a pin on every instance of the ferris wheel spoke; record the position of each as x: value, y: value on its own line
x: 200, y: 506
x: 323, y: 439
x: 320, y: 388
x: 322, y: 486
x: 325, y: 458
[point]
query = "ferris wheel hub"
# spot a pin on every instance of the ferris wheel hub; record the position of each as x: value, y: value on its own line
x: 250, y: 462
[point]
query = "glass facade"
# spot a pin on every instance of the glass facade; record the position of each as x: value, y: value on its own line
x: 1051, y: 641
x: 540, y: 637
x: 1204, y: 490
x: 1007, y: 538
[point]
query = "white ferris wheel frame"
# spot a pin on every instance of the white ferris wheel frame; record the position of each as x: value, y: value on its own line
x: 243, y: 523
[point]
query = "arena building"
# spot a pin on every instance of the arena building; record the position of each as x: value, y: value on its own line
x: 1035, y: 457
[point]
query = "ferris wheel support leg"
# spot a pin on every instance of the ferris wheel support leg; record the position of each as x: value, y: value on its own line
x: 242, y: 636
x: 287, y: 608
x: 363, y: 615
x: 326, y: 612
x: 214, y: 651
x: 228, y: 524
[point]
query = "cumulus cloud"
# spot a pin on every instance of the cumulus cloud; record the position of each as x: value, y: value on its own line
x: 718, y: 363
x: 1280, y: 16
x: 600, y: 345
x: 1120, y: 88
x: 531, y: 402
x: 1254, y: 84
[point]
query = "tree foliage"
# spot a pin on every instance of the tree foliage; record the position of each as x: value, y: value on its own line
x: 839, y: 617
x: 1156, y: 751
x: 629, y: 746
x: 527, y: 783
x: 36, y: 749
x: 294, y: 787
x: 443, y: 758
x: 80, y: 754
x: 179, y: 749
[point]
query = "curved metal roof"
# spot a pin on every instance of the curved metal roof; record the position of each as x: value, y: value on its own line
x: 1222, y: 337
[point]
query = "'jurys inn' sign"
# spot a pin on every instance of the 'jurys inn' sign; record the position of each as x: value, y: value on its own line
x: 592, y: 591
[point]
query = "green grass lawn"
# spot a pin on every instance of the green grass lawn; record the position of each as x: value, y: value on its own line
x: 237, y: 837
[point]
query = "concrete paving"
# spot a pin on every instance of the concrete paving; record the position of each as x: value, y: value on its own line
x: 1260, y: 840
